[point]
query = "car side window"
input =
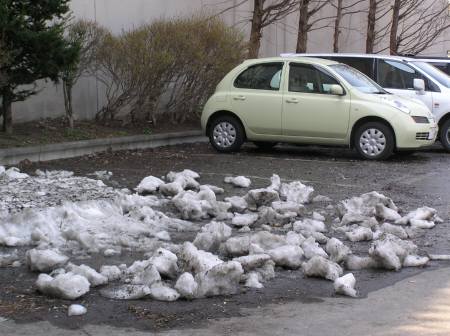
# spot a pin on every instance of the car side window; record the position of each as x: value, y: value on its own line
x: 265, y: 76
x: 308, y: 79
x: 398, y: 75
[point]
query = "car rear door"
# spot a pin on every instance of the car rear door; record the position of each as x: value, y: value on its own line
x: 257, y: 98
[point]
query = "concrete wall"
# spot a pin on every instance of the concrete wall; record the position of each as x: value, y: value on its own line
x: 118, y: 15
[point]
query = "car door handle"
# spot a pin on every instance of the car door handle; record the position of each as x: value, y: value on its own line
x: 292, y: 100
x: 239, y: 98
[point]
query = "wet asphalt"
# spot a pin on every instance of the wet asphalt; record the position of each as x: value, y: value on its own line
x: 410, y: 180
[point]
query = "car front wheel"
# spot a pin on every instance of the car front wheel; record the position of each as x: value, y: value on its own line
x: 226, y: 134
x: 445, y: 135
x: 374, y: 141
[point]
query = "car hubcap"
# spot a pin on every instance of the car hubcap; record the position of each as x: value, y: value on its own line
x: 448, y: 135
x: 224, y: 134
x: 372, y: 142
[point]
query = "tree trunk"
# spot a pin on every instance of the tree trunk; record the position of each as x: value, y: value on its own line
x: 337, y: 26
x: 67, y: 89
x: 256, y: 30
x: 393, y: 47
x: 302, y: 37
x: 7, y: 113
x: 371, y: 22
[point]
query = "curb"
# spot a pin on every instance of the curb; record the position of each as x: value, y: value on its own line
x: 11, y: 156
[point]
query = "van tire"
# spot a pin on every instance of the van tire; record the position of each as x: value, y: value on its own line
x: 374, y: 141
x: 444, y: 135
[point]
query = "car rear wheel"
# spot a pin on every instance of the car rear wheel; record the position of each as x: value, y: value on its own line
x: 226, y: 134
x: 374, y: 141
x: 445, y: 135
x: 265, y: 145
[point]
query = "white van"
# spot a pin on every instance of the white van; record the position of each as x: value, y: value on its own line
x: 405, y: 76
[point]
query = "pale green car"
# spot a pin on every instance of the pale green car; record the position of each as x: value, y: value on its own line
x: 313, y: 101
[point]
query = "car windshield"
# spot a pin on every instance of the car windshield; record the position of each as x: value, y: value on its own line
x: 434, y: 73
x: 358, y: 79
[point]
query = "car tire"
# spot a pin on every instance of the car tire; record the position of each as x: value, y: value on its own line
x: 264, y: 145
x: 226, y: 134
x: 444, y: 135
x: 374, y: 141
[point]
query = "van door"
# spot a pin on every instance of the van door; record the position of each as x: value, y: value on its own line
x: 397, y: 77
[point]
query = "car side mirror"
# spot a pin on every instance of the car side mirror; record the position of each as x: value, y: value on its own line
x: 337, y: 90
x: 419, y: 85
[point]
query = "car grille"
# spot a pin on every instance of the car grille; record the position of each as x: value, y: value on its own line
x: 422, y: 136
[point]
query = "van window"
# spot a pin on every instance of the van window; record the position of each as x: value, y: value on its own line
x: 307, y: 78
x: 398, y: 75
x: 266, y: 76
x: 363, y: 64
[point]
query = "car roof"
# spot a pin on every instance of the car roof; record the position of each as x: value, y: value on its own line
x: 309, y: 60
x: 391, y: 57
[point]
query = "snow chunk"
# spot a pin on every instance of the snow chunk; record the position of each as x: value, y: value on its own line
x: 186, y: 286
x: 296, y: 192
x: 261, y: 197
x: 68, y: 286
x: 222, y: 279
x: 149, y: 185
x: 94, y: 278
x: 318, y: 266
x: 238, y: 204
x: 288, y: 256
x: 424, y: 213
x: 345, y: 285
x: 359, y: 234
x: 165, y: 262
x: 238, y: 181
x: 112, y: 273
x: 268, y: 216
x: 394, y: 230
x: 180, y: 181
x: 253, y: 261
x: 321, y: 199
x: 201, y: 205
x: 355, y: 263
x: 312, y: 249
x: 45, y: 260
x: 143, y: 273
x: 337, y: 251
x: 386, y: 213
x: 287, y: 207
x: 415, y: 261
x: 244, y: 219
x: 8, y: 259
x: 76, y: 310
x: 161, y: 292
x: 390, y: 251
x: 197, y: 260
x: 14, y: 173
x: 236, y: 246
x: 293, y: 238
x: 253, y: 281
x: 212, y: 235
x: 421, y: 224
x: 126, y: 292
x: 365, y: 204
x: 309, y: 225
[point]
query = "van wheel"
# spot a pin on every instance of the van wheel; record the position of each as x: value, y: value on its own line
x: 264, y: 144
x: 226, y: 134
x: 374, y: 141
x: 445, y: 135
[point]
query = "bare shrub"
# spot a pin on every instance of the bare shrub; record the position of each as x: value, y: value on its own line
x: 166, y: 69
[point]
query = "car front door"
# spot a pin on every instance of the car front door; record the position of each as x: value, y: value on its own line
x: 398, y: 78
x: 309, y: 109
x: 257, y: 98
